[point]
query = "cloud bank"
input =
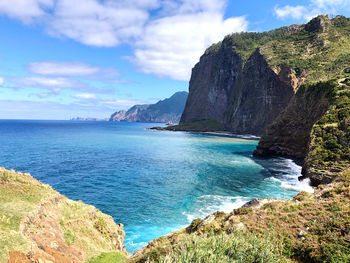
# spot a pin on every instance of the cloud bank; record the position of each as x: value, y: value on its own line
x: 167, y: 36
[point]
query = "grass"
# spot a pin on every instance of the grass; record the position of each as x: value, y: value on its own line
x: 112, y: 257
x: 19, y: 195
x: 330, y: 145
x: 82, y: 226
x: 238, y: 247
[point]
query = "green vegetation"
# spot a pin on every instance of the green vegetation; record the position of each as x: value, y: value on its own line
x: 237, y: 247
x: 18, y: 197
x: 208, y: 125
x: 112, y: 257
x: 32, y: 212
x: 330, y: 146
x: 319, y: 50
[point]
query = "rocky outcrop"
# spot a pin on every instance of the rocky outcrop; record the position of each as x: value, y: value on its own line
x: 163, y: 111
x: 118, y: 116
x: 37, y: 224
x: 315, y: 128
x: 289, y: 135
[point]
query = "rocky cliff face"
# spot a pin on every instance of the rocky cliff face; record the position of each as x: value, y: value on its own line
x: 243, y: 95
x: 262, y: 94
x: 245, y: 81
x: 314, y: 127
x: 289, y: 135
x: 212, y: 82
x: 163, y: 111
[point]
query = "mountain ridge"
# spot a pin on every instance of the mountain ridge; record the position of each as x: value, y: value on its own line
x: 166, y: 110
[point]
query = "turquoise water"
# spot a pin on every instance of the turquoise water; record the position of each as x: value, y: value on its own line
x: 153, y: 182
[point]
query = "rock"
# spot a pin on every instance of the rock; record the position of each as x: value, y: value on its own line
x: 244, y: 96
x: 207, y: 221
x: 301, y: 233
x: 239, y: 226
x: 257, y: 203
x: 289, y: 134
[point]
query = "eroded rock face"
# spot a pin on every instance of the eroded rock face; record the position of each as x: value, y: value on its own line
x: 262, y: 95
x: 211, y: 84
x: 289, y: 134
x: 244, y: 97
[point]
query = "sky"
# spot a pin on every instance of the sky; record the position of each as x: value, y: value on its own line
x: 89, y: 58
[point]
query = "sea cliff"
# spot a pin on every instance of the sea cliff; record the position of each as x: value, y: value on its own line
x: 244, y: 82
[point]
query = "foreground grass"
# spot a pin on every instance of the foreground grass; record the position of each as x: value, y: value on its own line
x: 37, y: 219
x: 238, y: 247
x: 112, y: 257
x: 19, y: 195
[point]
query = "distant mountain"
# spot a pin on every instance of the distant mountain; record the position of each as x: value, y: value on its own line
x: 163, y: 111
x: 88, y: 119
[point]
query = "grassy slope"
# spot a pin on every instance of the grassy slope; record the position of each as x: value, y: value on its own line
x: 310, y: 228
x: 33, y: 215
x: 329, y: 151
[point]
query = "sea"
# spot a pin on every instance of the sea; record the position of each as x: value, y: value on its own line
x: 154, y: 182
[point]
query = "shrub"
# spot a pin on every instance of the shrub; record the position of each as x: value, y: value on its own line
x: 5, y: 176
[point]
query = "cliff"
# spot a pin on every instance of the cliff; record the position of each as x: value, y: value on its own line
x: 290, y: 133
x: 248, y: 79
x: 314, y: 127
x: 163, y: 111
x: 37, y: 224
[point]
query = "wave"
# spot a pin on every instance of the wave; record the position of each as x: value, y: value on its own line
x: 208, y: 204
x: 286, y: 175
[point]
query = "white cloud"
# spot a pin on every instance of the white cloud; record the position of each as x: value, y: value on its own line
x: 62, y: 68
x: 170, y: 46
x: 85, y: 96
x: 168, y: 36
x: 46, y: 82
x: 312, y: 9
x: 98, y: 23
x: 121, y: 103
x: 331, y: 3
x: 54, y: 84
x: 25, y: 10
x: 93, y: 99
x: 70, y: 69
x: 1, y: 81
x: 296, y: 12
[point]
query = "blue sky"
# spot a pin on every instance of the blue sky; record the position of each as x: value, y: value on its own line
x: 65, y: 58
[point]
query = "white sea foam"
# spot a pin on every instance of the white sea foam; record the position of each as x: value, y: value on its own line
x: 208, y: 204
x: 303, y: 185
x: 287, y: 176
